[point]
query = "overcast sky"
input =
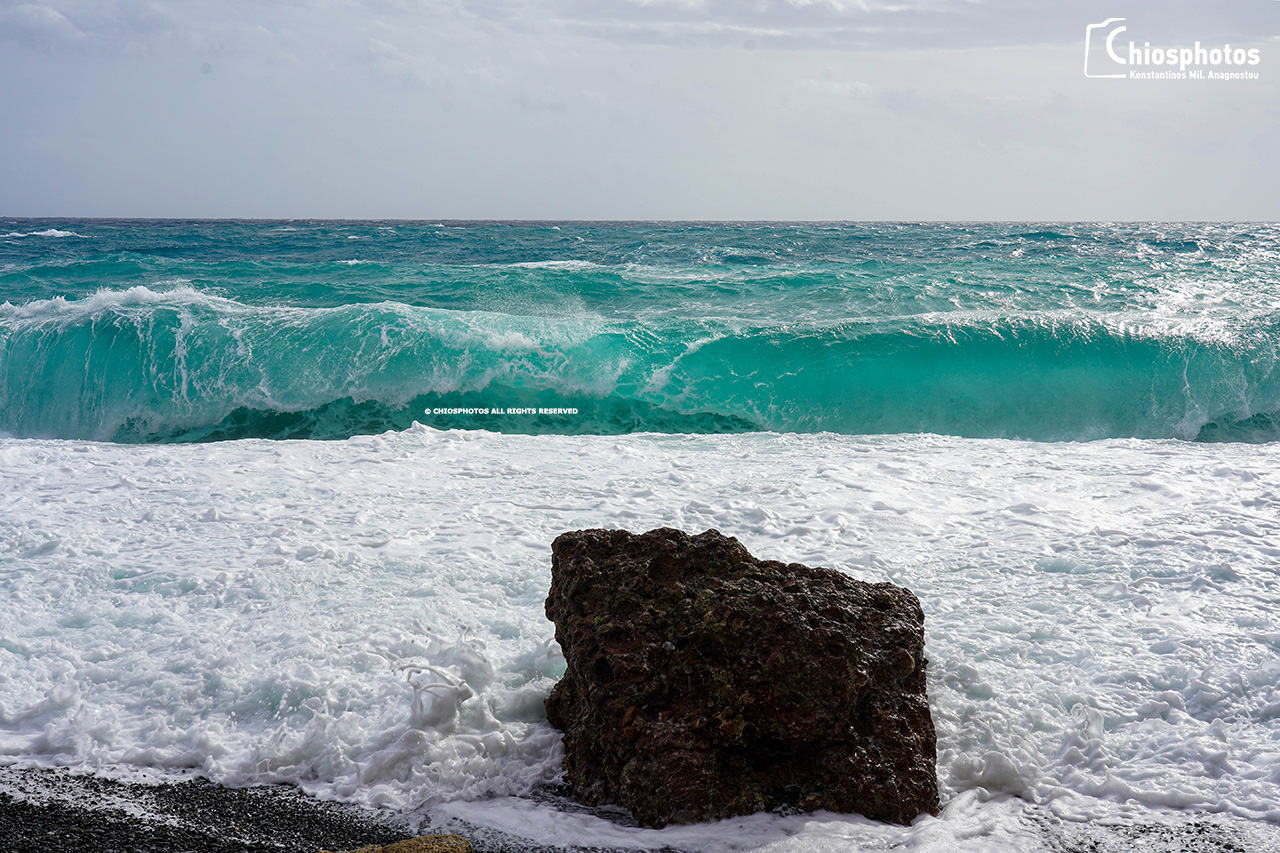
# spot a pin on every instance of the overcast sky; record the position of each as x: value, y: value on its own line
x: 628, y: 109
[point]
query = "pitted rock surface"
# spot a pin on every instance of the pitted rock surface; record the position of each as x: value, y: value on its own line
x: 703, y: 683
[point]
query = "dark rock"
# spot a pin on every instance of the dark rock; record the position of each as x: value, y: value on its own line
x: 703, y: 683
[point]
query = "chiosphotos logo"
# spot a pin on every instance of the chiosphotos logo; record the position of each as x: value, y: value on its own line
x: 1109, y: 53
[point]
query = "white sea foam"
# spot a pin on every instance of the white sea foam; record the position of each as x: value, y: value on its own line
x: 48, y: 232
x: 364, y: 618
x: 180, y: 294
x: 571, y: 265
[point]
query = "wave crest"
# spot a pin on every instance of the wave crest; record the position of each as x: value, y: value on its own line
x: 184, y: 365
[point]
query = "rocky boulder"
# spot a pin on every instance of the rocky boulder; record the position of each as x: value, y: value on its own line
x: 703, y: 683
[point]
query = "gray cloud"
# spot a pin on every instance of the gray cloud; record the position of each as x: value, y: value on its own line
x: 624, y: 108
x: 773, y: 24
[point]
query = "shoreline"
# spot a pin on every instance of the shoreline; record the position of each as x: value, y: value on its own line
x: 75, y: 812
x: 44, y: 808
x: 84, y: 812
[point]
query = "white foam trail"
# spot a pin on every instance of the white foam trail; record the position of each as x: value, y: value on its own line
x: 48, y: 232
x: 570, y: 265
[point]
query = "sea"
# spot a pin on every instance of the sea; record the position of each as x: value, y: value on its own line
x: 277, y: 499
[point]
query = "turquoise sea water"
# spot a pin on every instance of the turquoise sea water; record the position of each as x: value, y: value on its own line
x: 364, y: 619
x: 131, y: 330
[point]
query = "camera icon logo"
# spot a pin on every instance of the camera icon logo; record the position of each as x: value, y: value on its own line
x: 1100, y: 56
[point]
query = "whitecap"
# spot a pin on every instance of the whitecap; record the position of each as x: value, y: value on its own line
x: 48, y: 232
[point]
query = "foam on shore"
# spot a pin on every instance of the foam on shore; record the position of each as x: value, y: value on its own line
x: 363, y: 618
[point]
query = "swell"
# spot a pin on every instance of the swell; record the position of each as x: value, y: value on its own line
x: 182, y: 365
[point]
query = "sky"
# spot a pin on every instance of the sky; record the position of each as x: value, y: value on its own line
x: 631, y: 109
